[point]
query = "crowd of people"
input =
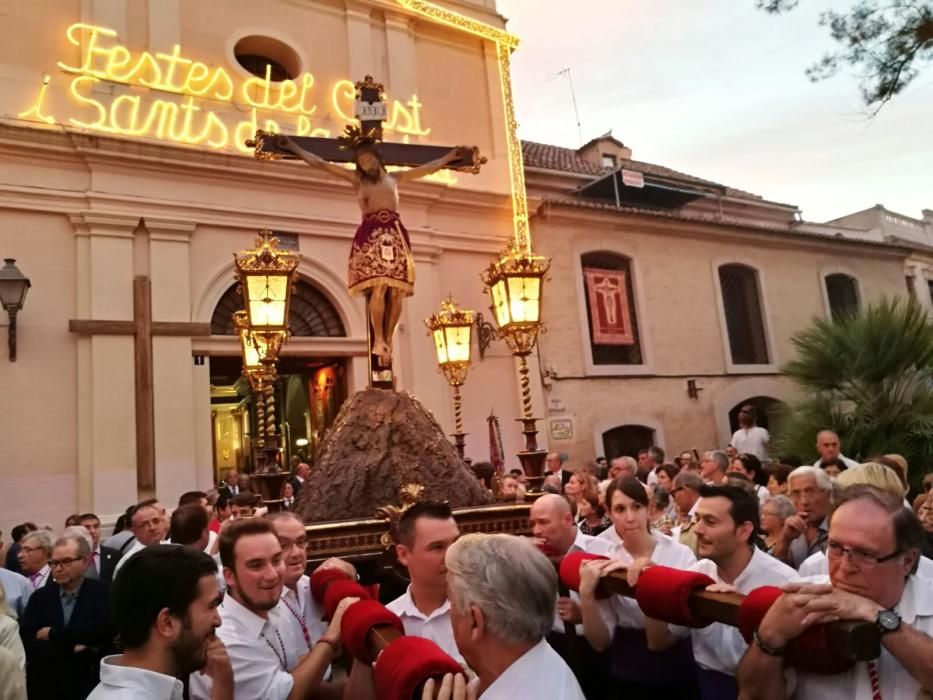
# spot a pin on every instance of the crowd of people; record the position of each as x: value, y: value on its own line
x: 213, y: 599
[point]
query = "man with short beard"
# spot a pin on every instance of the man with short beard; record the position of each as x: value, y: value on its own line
x: 264, y: 667
x: 165, y: 607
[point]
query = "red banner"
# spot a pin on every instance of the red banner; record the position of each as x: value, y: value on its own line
x: 608, y: 297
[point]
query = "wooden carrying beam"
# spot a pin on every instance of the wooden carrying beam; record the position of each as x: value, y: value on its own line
x: 852, y: 641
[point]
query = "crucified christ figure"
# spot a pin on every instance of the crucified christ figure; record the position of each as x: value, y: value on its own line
x: 381, y: 264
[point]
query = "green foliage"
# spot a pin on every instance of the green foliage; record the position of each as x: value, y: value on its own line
x: 869, y: 377
x: 887, y: 40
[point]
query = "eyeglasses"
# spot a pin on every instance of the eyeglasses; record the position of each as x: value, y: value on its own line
x: 679, y: 488
x: 29, y: 550
x: 67, y: 561
x: 864, y: 560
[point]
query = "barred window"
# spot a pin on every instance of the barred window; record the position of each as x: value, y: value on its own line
x: 741, y: 301
x: 842, y: 292
x: 618, y: 352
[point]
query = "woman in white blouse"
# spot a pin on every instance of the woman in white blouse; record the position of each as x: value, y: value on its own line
x: 617, y: 623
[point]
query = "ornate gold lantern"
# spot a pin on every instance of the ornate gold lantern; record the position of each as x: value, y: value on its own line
x: 452, y: 331
x: 515, y: 282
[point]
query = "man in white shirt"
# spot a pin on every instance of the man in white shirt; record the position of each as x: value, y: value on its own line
x: 552, y: 526
x: 150, y: 526
x: 501, y: 591
x: 35, y: 550
x: 827, y: 444
x: 303, y: 616
x: 165, y: 606
x: 805, y: 532
x: 425, y: 533
x: 254, y: 628
x: 16, y: 590
x: 727, y: 524
x: 874, y: 546
x: 750, y: 438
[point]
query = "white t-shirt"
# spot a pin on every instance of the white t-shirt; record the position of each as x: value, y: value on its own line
x: 620, y: 611
x: 538, y: 673
x: 435, y: 626
x: 753, y: 441
x: 118, y: 682
x: 916, y: 611
x: 719, y: 647
x: 259, y: 653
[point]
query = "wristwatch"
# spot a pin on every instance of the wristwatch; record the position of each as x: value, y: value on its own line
x: 887, y: 621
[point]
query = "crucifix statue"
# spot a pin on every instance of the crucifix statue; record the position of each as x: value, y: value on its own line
x: 381, y: 265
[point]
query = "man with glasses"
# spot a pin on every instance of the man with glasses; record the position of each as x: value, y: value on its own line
x: 304, y: 618
x: 149, y: 525
x: 873, y: 551
x: 34, y: 553
x: 66, y: 626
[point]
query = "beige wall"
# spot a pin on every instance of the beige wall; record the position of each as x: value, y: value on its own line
x: 674, y: 265
x: 84, y: 211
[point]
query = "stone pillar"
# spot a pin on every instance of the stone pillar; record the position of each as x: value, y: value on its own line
x: 359, y: 40
x: 402, y: 81
x: 921, y: 285
x: 172, y: 363
x: 106, y: 364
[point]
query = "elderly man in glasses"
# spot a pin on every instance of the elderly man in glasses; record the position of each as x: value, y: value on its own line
x: 873, y: 551
x: 66, y: 626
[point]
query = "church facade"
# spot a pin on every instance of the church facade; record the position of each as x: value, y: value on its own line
x: 126, y: 187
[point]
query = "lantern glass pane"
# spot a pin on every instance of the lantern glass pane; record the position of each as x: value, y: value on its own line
x: 524, y: 293
x: 500, y: 303
x: 440, y: 346
x: 267, y: 294
x: 250, y: 353
x: 458, y: 343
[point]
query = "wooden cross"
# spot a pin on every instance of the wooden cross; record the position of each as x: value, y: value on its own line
x: 370, y: 109
x: 142, y: 327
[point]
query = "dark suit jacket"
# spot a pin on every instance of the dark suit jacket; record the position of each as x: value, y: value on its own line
x: 296, y: 485
x: 108, y: 560
x: 54, y: 671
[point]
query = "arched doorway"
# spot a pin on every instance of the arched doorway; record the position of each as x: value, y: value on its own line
x: 770, y: 413
x: 627, y: 440
x: 308, y: 390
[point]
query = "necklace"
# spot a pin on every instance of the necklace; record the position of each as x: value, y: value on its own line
x: 301, y: 622
x: 283, y: 658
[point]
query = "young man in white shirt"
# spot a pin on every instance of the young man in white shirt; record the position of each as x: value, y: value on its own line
x: 502, y: 591
x: 253, y: 624
x: 165, y: 606
x: 425, y: 533
x: 874, y: 547
x: 727, y: 524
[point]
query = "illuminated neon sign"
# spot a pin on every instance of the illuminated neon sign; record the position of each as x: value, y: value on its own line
x: 191, y: 116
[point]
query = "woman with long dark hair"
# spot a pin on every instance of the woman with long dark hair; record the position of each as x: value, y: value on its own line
x: 617, y: 623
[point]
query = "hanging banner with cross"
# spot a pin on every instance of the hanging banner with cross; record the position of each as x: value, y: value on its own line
x: 609, y: 307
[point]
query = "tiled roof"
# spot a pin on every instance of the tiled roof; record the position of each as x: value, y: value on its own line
x: 542, y: 155
x: 583, y: 203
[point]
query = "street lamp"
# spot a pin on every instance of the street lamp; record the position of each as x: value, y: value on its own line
x: 13, y: 287
x: 452, y: 329
x: 266, y: 276
x: 515, y: 282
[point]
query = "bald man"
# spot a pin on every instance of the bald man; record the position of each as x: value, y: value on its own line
x: 827, y: 444
x: 555, y: 465
x: 554, y: 530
